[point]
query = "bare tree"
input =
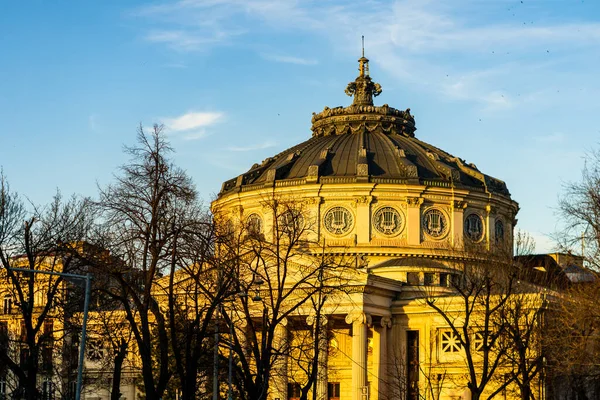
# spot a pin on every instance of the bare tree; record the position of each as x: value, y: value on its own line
x: 579, y: 207
x: 153, y: 226
x: 473, y: 314
x: 572, y: 341
x: 523, y: 319
x: 574, y: 323
x: 45, y: 239
x: 285, y: 275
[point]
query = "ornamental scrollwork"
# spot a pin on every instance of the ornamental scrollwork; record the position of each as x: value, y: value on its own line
x: 358, y: 316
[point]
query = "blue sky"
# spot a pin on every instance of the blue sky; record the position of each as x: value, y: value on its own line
x: 511, y: 86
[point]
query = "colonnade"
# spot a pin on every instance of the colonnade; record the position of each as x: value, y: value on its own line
x: 366, y: 385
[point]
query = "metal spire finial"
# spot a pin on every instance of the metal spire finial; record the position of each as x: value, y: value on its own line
x: 363, y: 45
x: 363, y: 88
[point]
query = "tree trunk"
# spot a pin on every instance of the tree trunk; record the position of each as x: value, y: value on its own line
x: 115, y: 393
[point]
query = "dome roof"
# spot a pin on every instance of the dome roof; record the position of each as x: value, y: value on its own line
x: 364, y: 143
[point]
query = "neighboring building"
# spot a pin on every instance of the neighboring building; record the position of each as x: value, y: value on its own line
x: 406, y: 210
x: 59, y: 334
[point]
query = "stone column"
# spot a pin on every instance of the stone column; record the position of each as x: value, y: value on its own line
x: 396, y: 388
x: 323, y: 350
x: 363, y: 219
x: 279, y: 374
x: 413, y: 220
x: 359, y: 321
x: 488, y: 226
x: 458, y: 211
x: 380, y: 359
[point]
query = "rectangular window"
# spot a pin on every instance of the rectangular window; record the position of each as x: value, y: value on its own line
x: 23, y: 332
x: 47, y: 390
x: 333, y: 391
x: 450, y: 342
x: 47, y: 359
x: 444, y: 280
x: 48, y: 327
x: 412, y: 364
x: 294, y: 391
x: 412, y: 278
x: 7, y: 305
x: 428, y: 279
x: 72, y: 390
x: 3, y: 334
x: 478, y: 341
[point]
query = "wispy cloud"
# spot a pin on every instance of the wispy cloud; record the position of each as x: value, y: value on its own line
x: 192, y: 120
x: 192, y: 125
x: 410, y: 39
x: 185, y: 41
x: 201, y: 134
x: 265, y: 145
x: 289, y: 59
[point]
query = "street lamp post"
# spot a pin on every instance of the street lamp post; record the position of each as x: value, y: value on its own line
x: 86, y: 303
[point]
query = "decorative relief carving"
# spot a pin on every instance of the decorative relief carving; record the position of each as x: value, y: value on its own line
x: 474, y: 227
x: 315, y: 200
x: 338, y: 220
x: 254, y: 224
x: 414, y: 201
x: 362, y: 169
x: 341, y: 242
x: 364, y: 199
x: 459, y: 204
x: 435, y: 223
x: 499, y: 230
x: 396, y: 242
x: 388, y: 221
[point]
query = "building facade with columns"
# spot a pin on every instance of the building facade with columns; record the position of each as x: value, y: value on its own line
x: 404, y: 210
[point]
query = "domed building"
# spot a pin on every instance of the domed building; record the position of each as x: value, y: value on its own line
x: 403, y: 210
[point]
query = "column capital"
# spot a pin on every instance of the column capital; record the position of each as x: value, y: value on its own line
x: 386, y: 322
x: 414, y: 201
x: 311, y: 319
x: 360, y: 317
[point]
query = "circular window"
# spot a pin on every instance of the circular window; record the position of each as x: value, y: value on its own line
x: 338, y: 220
x: 474, y: 227
x: 388, y: 220
x: 435, y: 223
x: 499, y: 230
x: 254, y: 224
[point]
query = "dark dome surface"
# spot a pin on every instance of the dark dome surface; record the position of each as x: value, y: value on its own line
x: 364, y: 143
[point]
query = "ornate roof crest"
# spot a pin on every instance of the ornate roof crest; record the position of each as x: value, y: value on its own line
x: 363, y: 88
